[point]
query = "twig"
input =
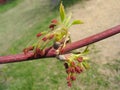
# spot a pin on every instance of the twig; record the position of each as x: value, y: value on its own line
x: 52, y: 53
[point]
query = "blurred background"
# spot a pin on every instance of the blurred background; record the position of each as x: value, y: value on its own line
x: 21, y: 20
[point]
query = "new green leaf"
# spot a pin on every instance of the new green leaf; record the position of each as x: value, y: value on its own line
x: 67, y: 20
x: 77, y: 22
x: 86, y: 65
x: 62, y: 12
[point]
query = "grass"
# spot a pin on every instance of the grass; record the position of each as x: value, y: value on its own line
x: 8, y: 5
x: 18, y: 30
x: 50, y: 74
x: 35, y: 76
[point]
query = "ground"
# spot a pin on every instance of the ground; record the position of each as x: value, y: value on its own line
x: 98, y: 15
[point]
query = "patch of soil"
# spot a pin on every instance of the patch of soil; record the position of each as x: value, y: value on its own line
x: 98, y: 15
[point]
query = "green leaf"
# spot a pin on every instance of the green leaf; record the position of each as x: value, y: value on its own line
x: 86, y: 51
x: 62, y: 12
x: 77, y: 22
x: 86, y: 65
x: 67, y: 20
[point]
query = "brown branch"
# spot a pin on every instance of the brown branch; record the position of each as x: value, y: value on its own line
x: 52, y: 53
x: 92, y: 39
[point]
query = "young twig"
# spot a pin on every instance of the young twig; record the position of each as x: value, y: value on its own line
x: 50, y: 52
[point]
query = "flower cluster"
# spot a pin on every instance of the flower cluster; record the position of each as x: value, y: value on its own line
x: 57, y: 37
x: 41, y: 45
x: 74, y: 64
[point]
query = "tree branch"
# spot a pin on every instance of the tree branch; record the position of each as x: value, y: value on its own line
x: 50, y: 52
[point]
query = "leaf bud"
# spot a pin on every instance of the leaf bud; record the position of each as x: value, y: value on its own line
x: 56, y: 45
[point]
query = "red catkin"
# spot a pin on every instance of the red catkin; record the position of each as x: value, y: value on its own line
x: 68, y: 70
x: 52, y: 26
x: 72, y: 64
x: 72, y: 70
x: 54, y: 21
x: 77, y: 69
x: 68, y: 77
x: 39, y: 34
x: 44, y: 38
x: 80, y: 59
x: 69, y: 83
x: 73, y: 78
x: 25, y: 51
x: 51, y: 36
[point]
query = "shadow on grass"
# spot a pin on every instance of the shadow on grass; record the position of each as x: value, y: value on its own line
x: 66, y: 3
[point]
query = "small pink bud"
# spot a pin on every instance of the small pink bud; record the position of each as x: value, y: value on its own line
x: 44, y: 38
x: 77, y: 69
x: 42, y: 53
x: 72, y: 64
x: 38, y: 50
x: 80, y: 59
x: 69, y: 83
x: 52, y: 26
x: 68, y: 70
x: 72, y: 70
x: 39, y: 34
x: 68, y: 77
x: 39, y: 53
x: 73, y: 78
x: 31, y: 48
x: 51, y: 36
x: 54, y: 21
x: 25, y: 51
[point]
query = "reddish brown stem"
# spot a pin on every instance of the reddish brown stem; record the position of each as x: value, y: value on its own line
x: 92, y: 39
x: 52, y: 53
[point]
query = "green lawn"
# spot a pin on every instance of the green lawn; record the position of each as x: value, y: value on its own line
x: 10, y: 4
x: 18, y: 27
